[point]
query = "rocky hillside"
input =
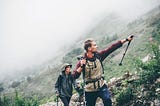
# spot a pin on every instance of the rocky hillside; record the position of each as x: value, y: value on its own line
x: 145, y: 29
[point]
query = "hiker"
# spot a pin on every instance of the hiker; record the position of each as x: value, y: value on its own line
x: 64, y: 84
x: 91, y: 66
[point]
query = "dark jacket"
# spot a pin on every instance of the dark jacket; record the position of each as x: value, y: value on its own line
x: 64, y: 84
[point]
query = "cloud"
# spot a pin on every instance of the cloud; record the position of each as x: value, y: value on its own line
x: 33, y: 30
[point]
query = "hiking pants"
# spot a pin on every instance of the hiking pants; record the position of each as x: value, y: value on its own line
x: 65, y: 100
x: 103, y: 93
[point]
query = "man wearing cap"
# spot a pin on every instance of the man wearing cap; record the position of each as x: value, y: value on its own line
x: 64, y: 84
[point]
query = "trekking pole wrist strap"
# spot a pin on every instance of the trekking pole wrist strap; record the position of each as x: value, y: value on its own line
x: 127, y: 39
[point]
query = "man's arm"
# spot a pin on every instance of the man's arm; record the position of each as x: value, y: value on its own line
x: 77, y: 72
x: 104, y: 53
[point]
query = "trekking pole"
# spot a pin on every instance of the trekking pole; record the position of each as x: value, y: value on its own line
x: 125, y: 51
x: 83, y: 77
x: 57, y: 100
x: 84, y: 100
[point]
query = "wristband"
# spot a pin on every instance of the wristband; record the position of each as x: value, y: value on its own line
x: 127, y: 39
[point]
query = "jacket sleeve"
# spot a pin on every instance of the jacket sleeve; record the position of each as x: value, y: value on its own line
x: 58, y: 84
x: 104, y: 53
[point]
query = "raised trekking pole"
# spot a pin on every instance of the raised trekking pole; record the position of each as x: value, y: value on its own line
x: 125, y: 51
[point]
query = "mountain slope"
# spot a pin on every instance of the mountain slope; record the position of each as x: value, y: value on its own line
x: 140, y: 28
x: 105, y: 33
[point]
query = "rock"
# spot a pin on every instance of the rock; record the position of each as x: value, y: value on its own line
x: 157, y: 102
x: 157, y: 81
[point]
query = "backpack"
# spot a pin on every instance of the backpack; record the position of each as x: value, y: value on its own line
x: 97, y: 56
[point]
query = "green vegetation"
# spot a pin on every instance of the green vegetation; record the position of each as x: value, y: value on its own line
x: 18, y: 100
x: 142, y: 92
x: 137, y: 92
x: 124, y: 97
x: 1, y: 87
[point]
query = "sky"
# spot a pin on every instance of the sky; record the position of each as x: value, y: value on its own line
x: 31, y: 31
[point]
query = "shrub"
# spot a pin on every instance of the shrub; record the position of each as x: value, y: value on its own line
x: 18, y: 100
x: 15, y: 84
x: 124, y: 97
x: 1, y: 87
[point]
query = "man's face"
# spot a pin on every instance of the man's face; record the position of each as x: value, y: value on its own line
x: 93, y: 47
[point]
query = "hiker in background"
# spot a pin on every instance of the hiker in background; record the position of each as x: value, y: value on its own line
x: 91, y: 66
x: 64, y: 84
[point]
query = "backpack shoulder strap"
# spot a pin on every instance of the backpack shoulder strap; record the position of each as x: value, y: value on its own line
x: 99, y: 58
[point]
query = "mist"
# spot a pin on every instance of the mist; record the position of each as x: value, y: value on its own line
x: 32, y: 31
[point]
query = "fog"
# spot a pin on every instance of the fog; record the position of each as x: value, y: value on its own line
x: 32, y: 31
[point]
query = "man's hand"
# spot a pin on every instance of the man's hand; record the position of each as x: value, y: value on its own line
x: 83, y: 61
x: 129, y: 38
